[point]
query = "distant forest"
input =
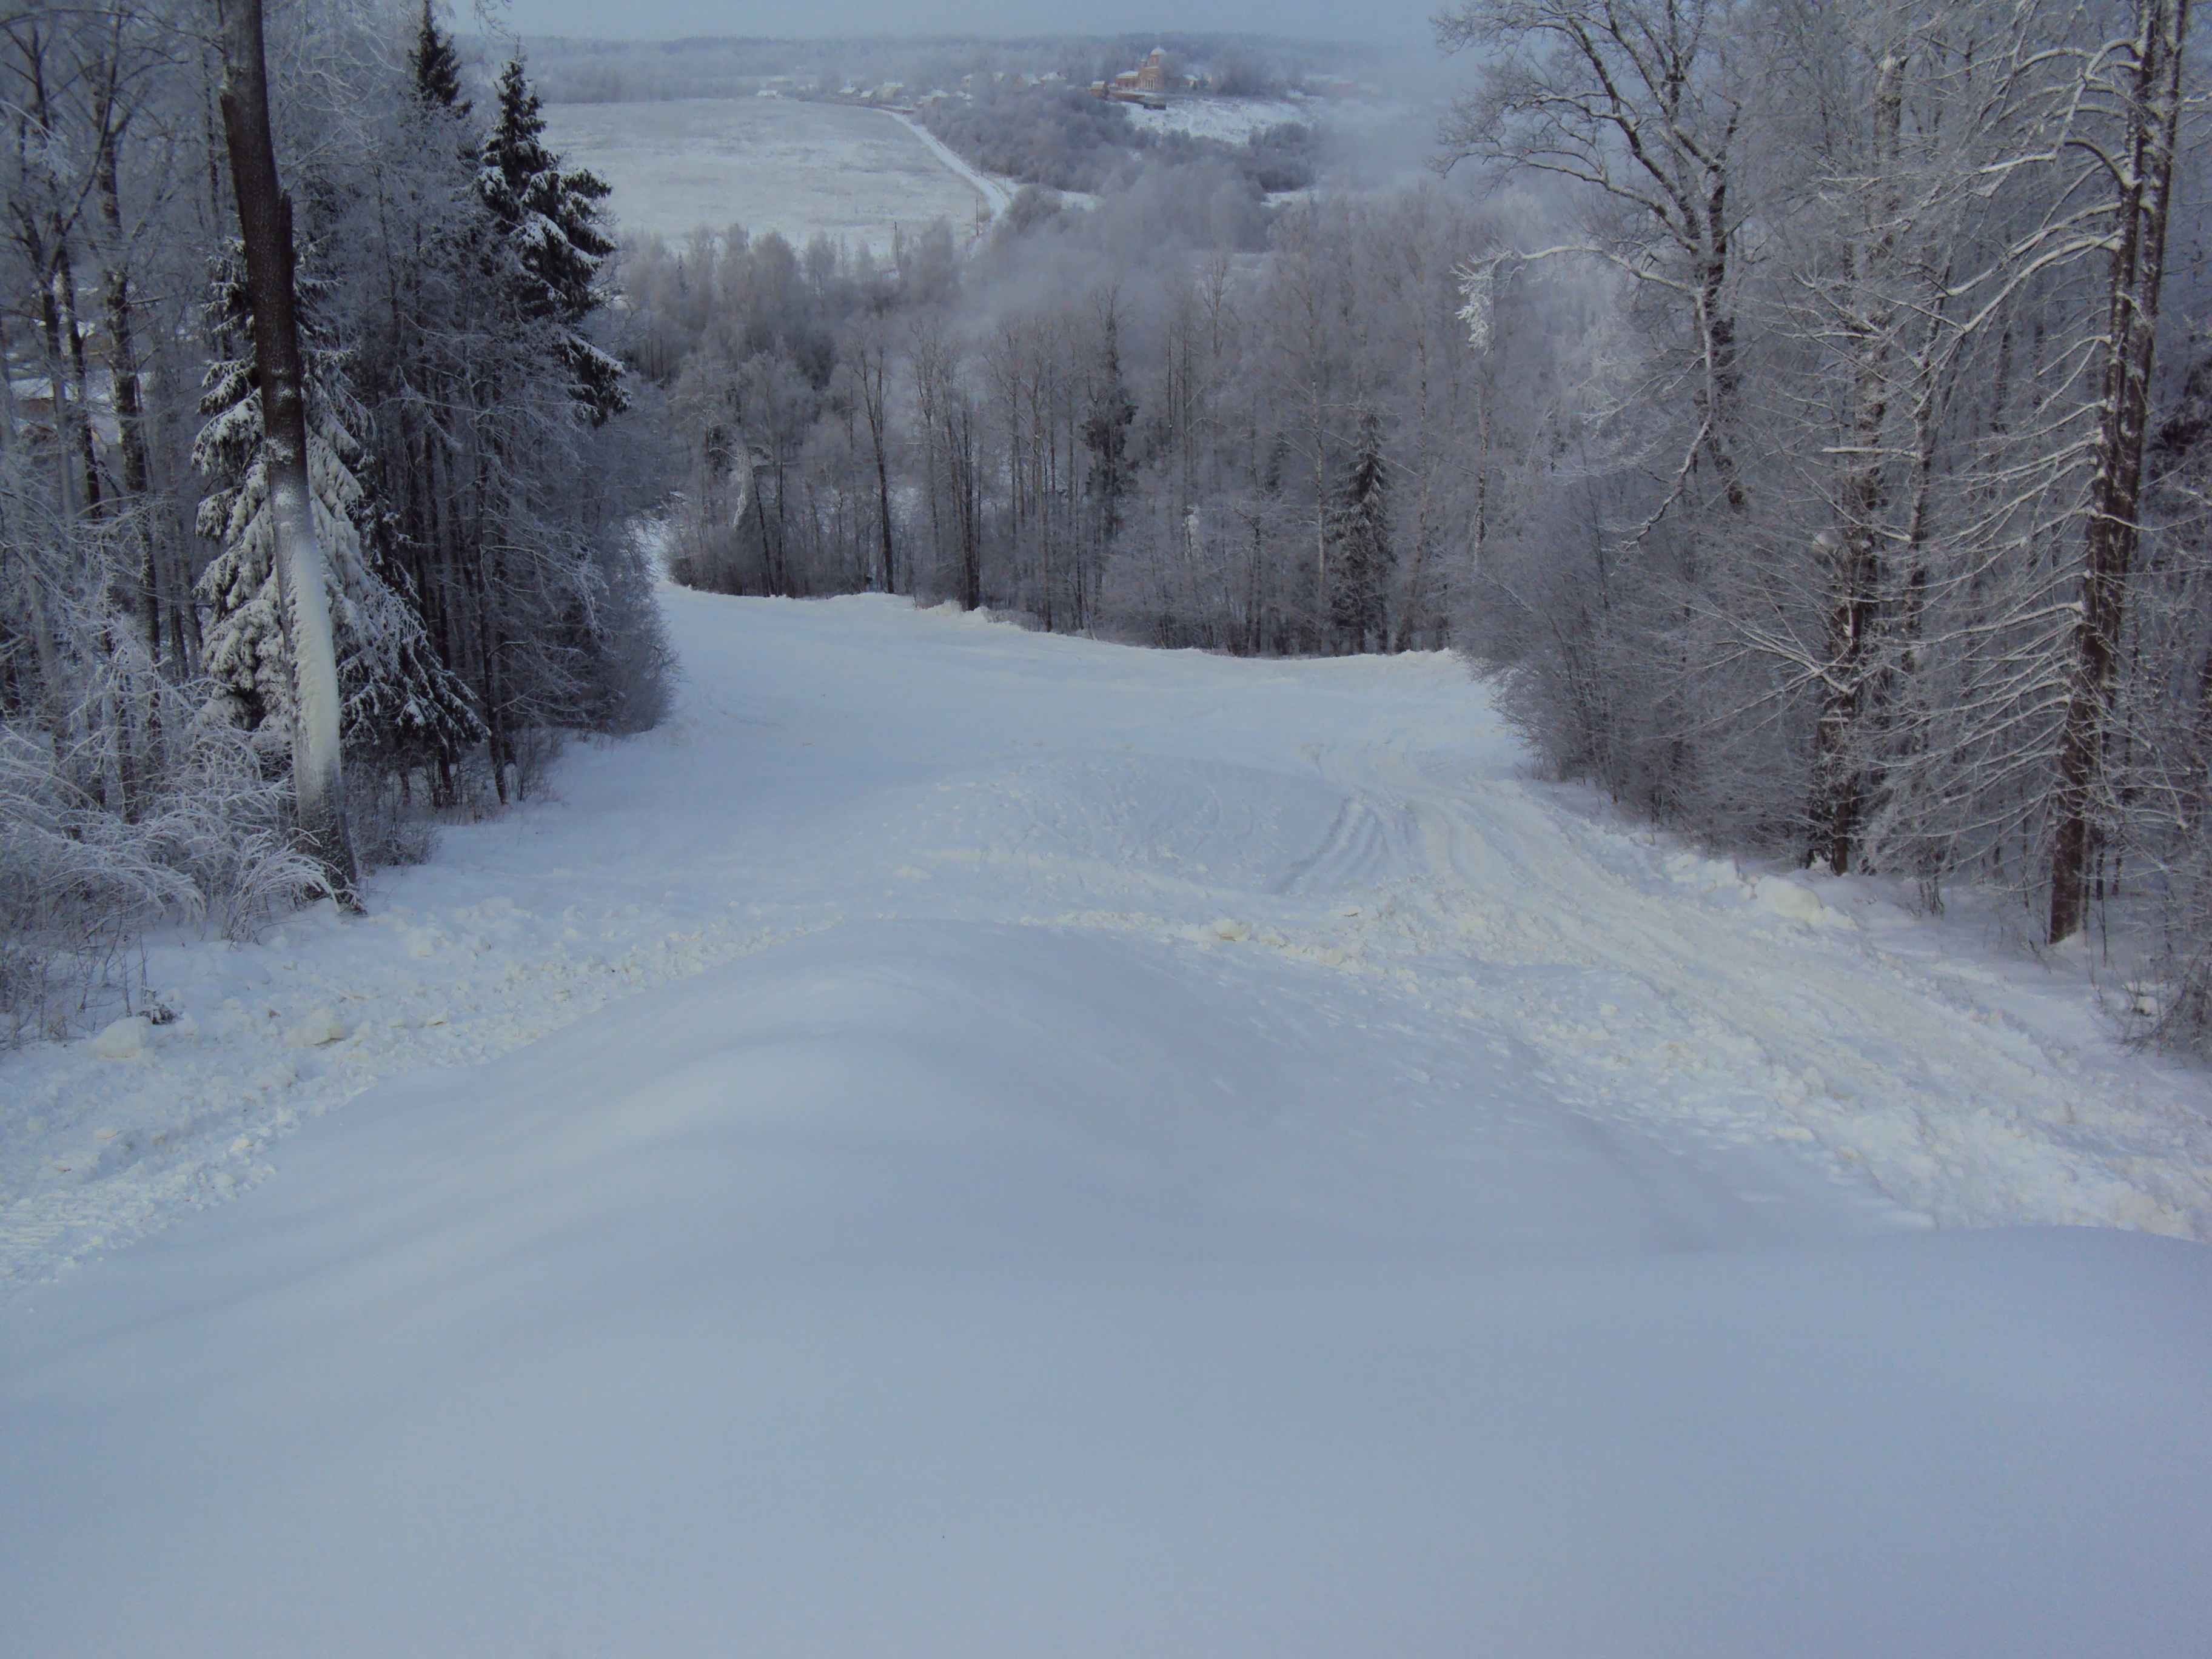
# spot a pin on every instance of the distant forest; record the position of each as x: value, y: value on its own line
x: 569, y: 71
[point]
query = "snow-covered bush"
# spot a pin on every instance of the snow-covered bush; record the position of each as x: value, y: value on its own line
x: 206, y: 844
x: 122, y: 806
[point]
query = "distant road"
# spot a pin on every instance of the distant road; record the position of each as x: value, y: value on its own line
x: 996, y: 197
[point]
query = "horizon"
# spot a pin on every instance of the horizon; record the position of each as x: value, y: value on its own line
x: 1394, y: 24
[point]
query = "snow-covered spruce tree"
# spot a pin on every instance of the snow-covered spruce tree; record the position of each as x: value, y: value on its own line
x: 547, y: 218
x: 1106, y: 425
x: 509, y: 490
x: 435, y: 66
x: 1359, y: 532
x: 401, y: 707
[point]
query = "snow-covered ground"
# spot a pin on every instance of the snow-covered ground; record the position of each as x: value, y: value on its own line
x: 799, y: 168
x: 969, y: 1143
x: 1231, y: 120
x: 997, y: 194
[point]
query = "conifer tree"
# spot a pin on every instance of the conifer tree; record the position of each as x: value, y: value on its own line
x: 436, y: 66
x: 547, y: 222
x: 1358, y: 529
x: 398, y: 702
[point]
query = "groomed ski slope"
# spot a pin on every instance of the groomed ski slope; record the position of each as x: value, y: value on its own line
x: 965, y: 1143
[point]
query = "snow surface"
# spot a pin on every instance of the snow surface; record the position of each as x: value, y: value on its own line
x: 991, y: 1143
x: 785, y: 165
x: 1231, y: 120
x: 998, y: 194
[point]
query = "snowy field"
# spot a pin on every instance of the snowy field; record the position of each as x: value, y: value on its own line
x: 1231, y: 120
x: 777, y: 164
x: 966, y: 1143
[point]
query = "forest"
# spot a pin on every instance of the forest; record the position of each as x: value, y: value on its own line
x: 1800, y: 411
x: 471, y: 467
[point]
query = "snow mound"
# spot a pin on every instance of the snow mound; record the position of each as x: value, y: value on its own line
x: 1705, y: 875
x: 1781, y: 896
x: 126, y: 1039
x: 322, y: 1027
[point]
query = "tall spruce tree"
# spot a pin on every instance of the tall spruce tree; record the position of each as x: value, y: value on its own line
x: 435, y: 66
x: 399, y: 704
x: 553, y: 246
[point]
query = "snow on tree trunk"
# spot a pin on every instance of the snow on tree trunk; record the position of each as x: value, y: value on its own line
x: 265, y: 221
x: 2153, y: 114
x: 1839, y: 782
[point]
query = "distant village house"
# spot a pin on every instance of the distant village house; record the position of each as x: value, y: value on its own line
x: 1147, y: 84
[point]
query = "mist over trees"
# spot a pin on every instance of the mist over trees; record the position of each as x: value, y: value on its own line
x: 573, y: 71
x: 459, y: 472
x: 1110, y: 418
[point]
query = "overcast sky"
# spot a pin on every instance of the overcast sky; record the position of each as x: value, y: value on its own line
x: 1387, y: 22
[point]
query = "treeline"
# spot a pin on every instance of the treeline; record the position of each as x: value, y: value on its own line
x: 1065, y: 139
x: 1106, y: 419
x: 1867, y: 527
x: 469, y: 469
x: 571, y: 71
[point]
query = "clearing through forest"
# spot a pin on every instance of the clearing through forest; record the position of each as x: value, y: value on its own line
x: 969, y: 1142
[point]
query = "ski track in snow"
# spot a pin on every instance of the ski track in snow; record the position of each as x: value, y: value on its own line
x: 1366, y: 825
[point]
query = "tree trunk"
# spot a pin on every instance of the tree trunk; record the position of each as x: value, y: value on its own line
x: 2138, y: 268
x: 1839, y: 778
x: 130, y: 404
x: 875, y: 371
x: 264, y: 217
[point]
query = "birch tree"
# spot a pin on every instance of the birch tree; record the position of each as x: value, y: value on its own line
x: 1641, y: 102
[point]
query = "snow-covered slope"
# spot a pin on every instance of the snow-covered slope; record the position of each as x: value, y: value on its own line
x: 1014, y: 1145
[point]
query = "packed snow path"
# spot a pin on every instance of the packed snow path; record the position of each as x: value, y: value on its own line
x: 1058, y: 1149
x: 998, y: 194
